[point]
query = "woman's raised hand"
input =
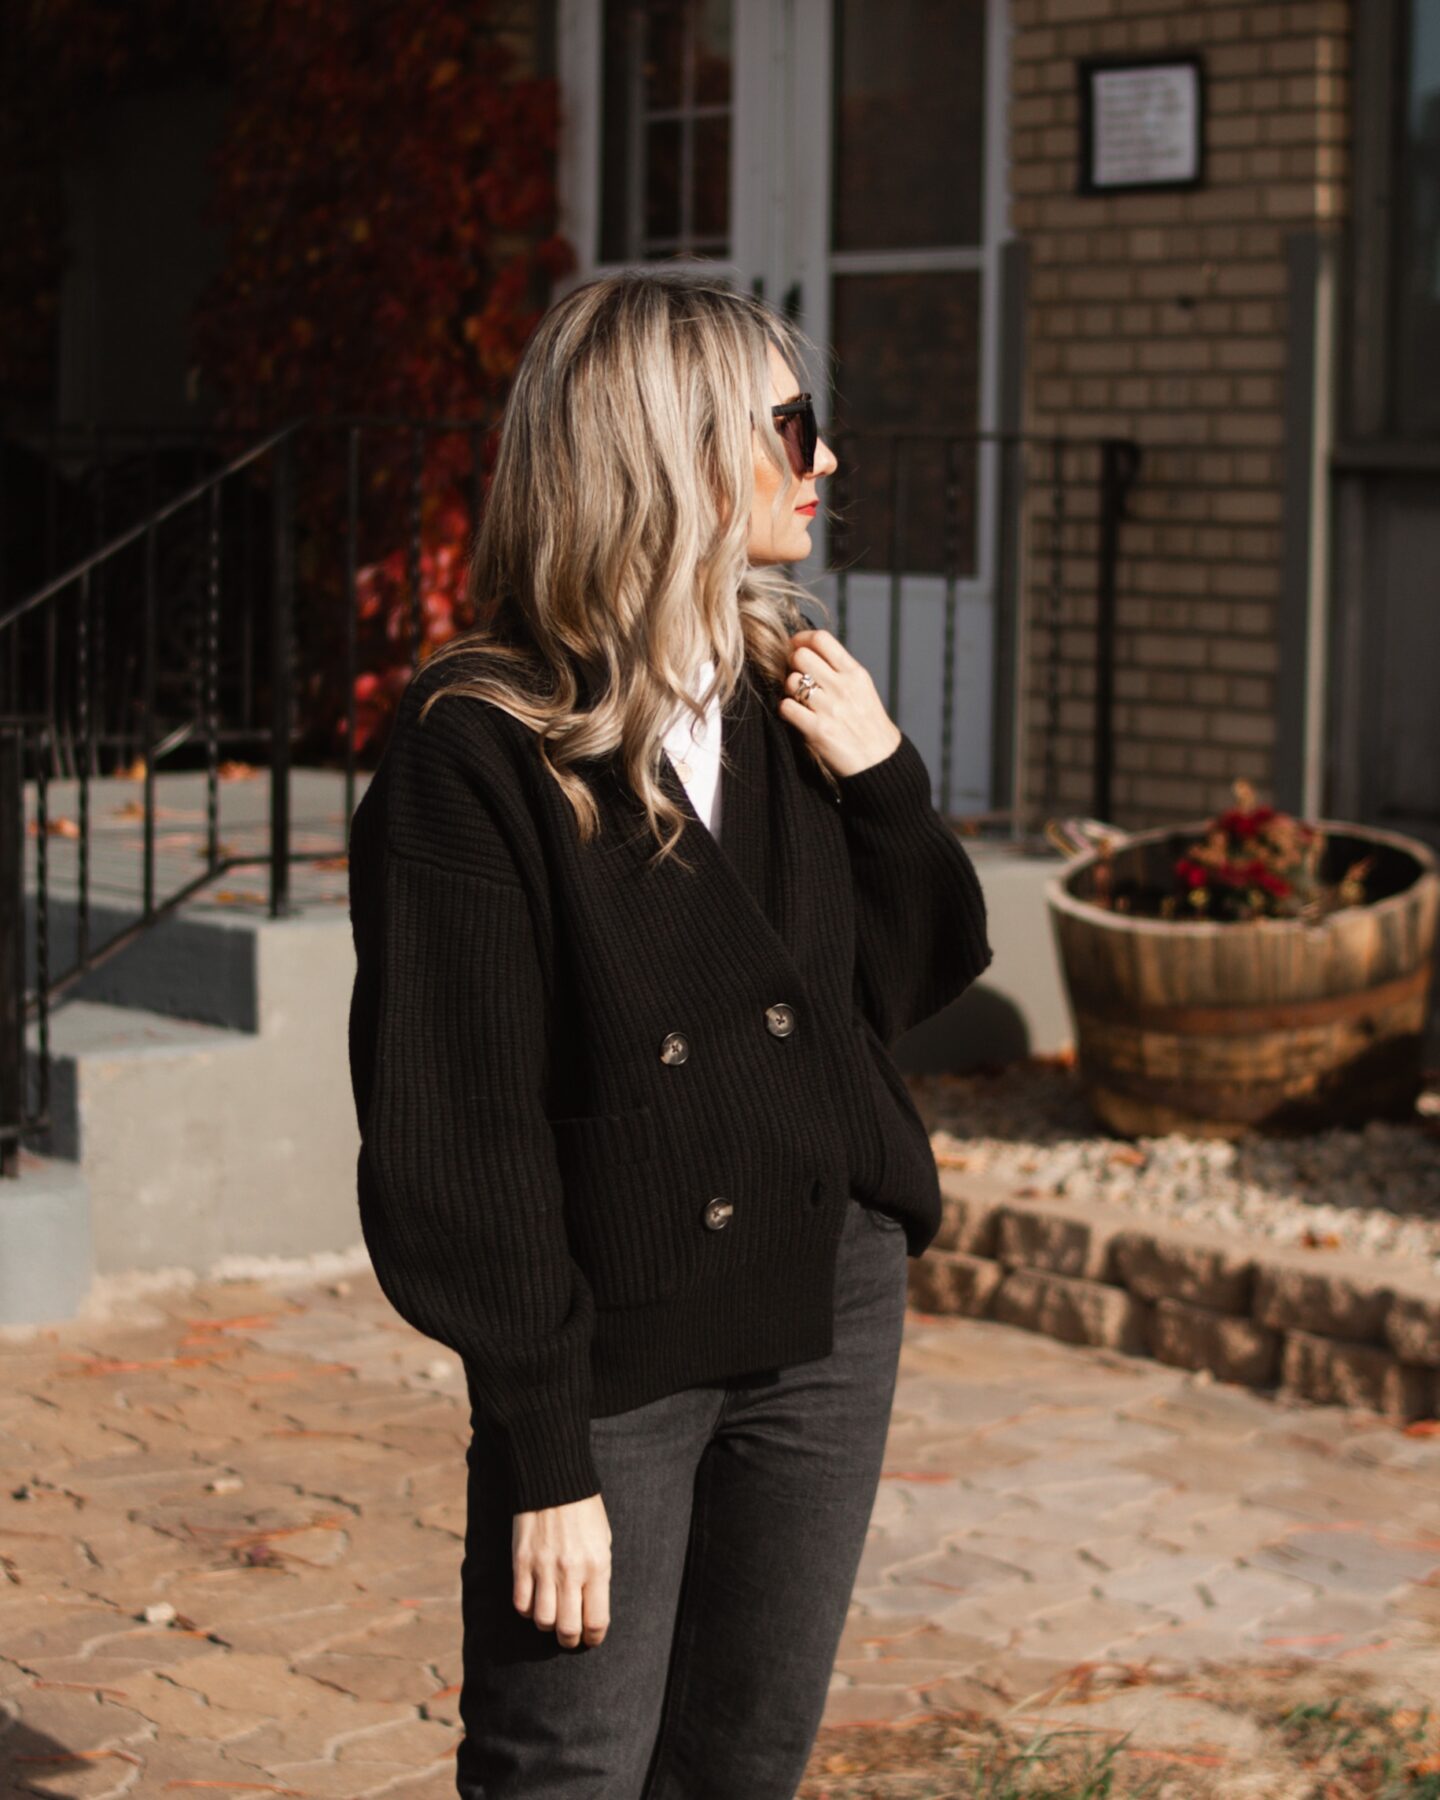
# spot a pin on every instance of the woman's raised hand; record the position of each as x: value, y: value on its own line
x: 844, y: 718
x: 561, y: 1558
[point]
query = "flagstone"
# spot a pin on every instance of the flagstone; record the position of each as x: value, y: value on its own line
x: 1350, y: 1562
x: 1087, y: 1627
x: 1043, y: 1507
x: 1321, y: 1626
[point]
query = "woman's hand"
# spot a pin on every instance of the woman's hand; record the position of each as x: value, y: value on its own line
x: 844, y: 717
x: 561, y: 1558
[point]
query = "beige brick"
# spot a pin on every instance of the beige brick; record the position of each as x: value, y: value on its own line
x: 1115, y: 357
x: 1196, y: 1337
x: 1412, y: 1320
x: 970, y: 1204
x: 1242, y: 728
x: 1332, y: 1294
x: 1203, y: 1268
x: 950, y: 1282
x: 1253, y: 654
x: 1062, y: 12
x: 1056, y: 1236
x: 1170, y: 796
x: 1323, y: 1369
x: 1248, y: 505
x: 1075, y: 1311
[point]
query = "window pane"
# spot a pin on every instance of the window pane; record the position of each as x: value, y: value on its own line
x: 665, y: 134
x: 664, y: 28
x: 1417, y: 287
x: 909, y: 123
x: 712, y: 177
x: 662, y: 179
x: 907, y: 349
x: 712, y: 54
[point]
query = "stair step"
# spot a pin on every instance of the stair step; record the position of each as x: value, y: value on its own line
x: 46, y: 1254
x: 91, y: 1034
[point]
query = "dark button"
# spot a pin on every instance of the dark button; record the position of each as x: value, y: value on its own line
x: 780, y: 1019
x: 674, y: 1048
x: 717, y: 1213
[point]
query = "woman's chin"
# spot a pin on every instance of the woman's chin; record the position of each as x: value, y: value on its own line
x: 792, y: 549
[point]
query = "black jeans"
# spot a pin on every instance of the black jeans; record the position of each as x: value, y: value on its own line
x: 738, y: 1512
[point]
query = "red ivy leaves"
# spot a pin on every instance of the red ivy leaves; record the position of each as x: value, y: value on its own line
x: 386, y: 183
x: 385, y: 190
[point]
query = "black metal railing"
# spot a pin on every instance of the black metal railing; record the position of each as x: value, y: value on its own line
x: 179, y: 637
x: 1030, y: 526
x: 192, y: 627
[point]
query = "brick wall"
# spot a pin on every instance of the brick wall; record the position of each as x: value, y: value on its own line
x: 1164, y: 317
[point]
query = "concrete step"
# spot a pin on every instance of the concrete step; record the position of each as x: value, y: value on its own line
x: 46, y: 1255
x: 198, y: 962
x: 199, y: 1142
x: 91, y: 1043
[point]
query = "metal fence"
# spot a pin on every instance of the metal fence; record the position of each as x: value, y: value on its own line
x: 228, y: 586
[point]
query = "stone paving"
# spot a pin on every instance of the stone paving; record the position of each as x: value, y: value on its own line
x: 231, y: 1521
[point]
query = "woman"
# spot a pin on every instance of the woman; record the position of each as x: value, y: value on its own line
x: 632, y: 1140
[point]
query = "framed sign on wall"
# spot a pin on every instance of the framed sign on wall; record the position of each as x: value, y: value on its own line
x: 1142, y: 123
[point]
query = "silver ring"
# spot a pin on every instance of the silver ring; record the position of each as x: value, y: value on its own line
x: 807, y: 682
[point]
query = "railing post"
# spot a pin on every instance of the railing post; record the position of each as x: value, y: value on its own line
x: 12, y: 945
x: 1119, y: 465
x: 282, y: 673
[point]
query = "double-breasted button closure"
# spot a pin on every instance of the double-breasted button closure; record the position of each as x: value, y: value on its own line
x: 780, y: 1019
x: 717, y: 1213
x: 674, y: 1047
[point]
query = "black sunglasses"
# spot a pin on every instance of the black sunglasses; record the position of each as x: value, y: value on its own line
x: 795, y: 422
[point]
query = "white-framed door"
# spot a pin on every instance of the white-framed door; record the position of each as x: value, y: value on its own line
x: 807, y: 149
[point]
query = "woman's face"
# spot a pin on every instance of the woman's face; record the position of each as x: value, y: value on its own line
x: 783, y: 535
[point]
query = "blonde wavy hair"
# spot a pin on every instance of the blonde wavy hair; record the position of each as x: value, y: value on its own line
x: 611, y: 559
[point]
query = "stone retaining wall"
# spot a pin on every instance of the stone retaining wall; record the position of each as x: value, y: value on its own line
x: 1321, y: 1325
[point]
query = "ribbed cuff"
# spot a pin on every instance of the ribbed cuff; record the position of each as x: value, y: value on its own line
x: 550, y: 1460
x: 898, y: 781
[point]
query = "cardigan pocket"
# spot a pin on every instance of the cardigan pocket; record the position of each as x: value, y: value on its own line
x: 615, y: 1214
x: 917, y: 1165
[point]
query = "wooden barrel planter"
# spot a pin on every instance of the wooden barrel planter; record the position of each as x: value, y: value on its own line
x: 1215, y: 1029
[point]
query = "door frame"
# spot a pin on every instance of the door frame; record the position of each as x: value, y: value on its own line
x: 780, y: 236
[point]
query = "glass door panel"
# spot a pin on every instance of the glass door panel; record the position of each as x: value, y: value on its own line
x: 666, y: 102
x: 909, y: 124
x: 844, y: 159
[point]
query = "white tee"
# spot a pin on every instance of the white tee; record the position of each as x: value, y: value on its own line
x: 695, y: 751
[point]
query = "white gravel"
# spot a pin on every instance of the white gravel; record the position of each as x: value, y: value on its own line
x: 1375, y: 1191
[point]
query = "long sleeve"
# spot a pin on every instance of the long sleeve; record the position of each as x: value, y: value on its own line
x: 460, y: 1190
x: 920, y: 923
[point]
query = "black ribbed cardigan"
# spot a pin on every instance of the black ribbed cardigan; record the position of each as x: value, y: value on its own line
x: 560, y: 1057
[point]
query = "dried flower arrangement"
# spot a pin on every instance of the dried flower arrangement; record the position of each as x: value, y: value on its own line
x: 1251, y: 862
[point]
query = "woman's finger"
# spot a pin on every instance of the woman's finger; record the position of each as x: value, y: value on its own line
x: 597, y: 1606
x: 825, y: 643
x: 822, y: 697
x: 570, y: 1610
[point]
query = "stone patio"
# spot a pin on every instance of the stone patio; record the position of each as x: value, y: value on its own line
x: 231, y: 1516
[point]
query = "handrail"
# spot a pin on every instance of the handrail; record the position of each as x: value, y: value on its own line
x: 219, y: 592
x: 134, y: 533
